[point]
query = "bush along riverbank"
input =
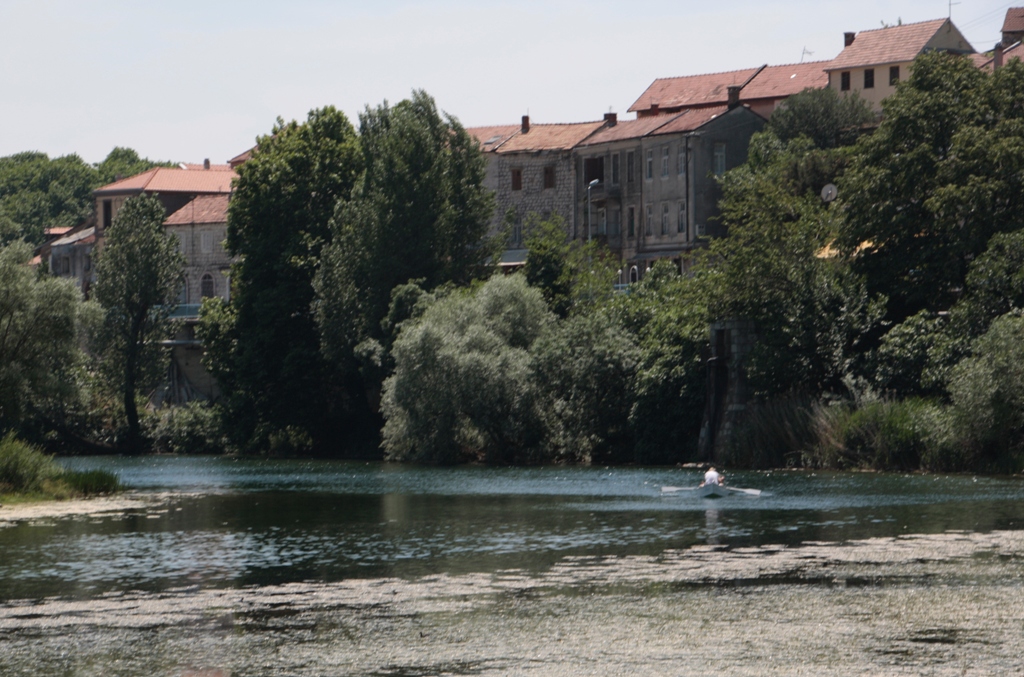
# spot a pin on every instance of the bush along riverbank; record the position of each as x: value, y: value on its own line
x: 26, y: 473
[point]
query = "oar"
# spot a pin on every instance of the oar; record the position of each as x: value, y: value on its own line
x: 668, y: 490
x: 748, y: 492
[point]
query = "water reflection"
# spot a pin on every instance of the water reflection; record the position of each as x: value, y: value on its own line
x: 256, y: 522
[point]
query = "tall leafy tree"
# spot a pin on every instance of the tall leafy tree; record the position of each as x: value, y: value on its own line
x: 265, y: 347
x: 823, y: 116
x: 139, y: 273
x: 37, y: 192
x: 38, y: 346
x: 942, y: 174
x: 420, y: 212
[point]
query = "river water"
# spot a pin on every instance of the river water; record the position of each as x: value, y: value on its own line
x: 450, y: 544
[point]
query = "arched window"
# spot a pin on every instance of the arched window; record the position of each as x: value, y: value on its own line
x: 206, y: 286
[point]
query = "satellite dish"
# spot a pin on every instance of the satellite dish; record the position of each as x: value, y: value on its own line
x: 829, y: 192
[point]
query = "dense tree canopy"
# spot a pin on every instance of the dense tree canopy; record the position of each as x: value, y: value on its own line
x: 39, y: 350
x: 941, y: 175
x: 265, y: 347
x: 419, y: 212
x: 822, y: 115
x: 37, y: 192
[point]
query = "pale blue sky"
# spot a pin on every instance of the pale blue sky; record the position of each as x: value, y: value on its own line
x: 191, y: 79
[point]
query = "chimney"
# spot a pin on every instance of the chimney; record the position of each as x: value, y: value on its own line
x: 526, y: 124
x: 997, y: 56
x: 848, y: 39
x: 654, y: 109
x: 206, y: 163
x: 611, y: 118
x: 734, y: 95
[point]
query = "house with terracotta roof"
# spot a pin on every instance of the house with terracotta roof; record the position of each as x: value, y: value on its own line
x: 873, y: 62
x: 201, y: 227
x: 173, y: 186
x: 531, y: 169
x: 657, y: 191
x: 762, y: 89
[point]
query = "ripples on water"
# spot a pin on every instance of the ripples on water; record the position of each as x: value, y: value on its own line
x: 255, y: 522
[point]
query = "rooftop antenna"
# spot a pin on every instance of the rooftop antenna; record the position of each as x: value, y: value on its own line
x: 951, y: 3
x: 806, y: 52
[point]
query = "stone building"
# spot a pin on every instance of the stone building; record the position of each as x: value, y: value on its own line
x: 656, y: 192
x: 531, y: 170
x: 201, y: 227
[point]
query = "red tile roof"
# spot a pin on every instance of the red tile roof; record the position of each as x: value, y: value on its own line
x: 202, y: 209
x: 692, y: 119
x: 1014, y: 21
x: 173, y: 180
x: 895, y: 44
x: 201, y: 167
x: 490, y: 138
x: 550, y: 137
x: 781, y: 81
x: 691, y: 90
x: 630, y: 129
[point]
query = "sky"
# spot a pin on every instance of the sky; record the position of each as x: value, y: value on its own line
x: 189, y: 80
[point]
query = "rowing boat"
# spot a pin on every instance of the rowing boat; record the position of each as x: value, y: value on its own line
x: 712, y: 491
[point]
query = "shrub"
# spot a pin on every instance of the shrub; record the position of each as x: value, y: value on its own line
x: 884, y: 435
x: 773, y: 433
x: 91, y: 482
x: 190, y: 429
x: 23, y: 468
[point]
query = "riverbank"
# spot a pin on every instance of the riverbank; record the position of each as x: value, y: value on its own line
x: 939, y: 604
x: 48, y: 508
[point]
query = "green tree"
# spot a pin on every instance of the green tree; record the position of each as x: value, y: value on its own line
x: 39, y: 348
x: 667, y: 316
x: 124, y: 162
x: 139, y: 273
x: 462, y: 387
x: 812, y: 313
x: 823, y: 116
x: 420, y: 212
x: 941, y: 175
x: 264, y: 348
x: 584, y: 369
x: 37, y: 192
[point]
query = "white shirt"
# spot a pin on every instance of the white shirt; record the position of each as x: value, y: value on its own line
x: 712, y: 477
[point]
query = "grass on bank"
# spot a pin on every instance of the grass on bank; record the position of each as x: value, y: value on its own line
x: 26, y: 474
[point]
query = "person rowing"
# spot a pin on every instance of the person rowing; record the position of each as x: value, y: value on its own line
x: 713, y: 477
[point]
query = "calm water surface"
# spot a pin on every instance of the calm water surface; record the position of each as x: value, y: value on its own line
x: 250, y: 522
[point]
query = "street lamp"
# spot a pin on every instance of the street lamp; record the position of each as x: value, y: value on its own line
x: 590, y: 221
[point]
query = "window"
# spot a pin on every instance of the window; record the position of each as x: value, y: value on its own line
x: 681, y: 160
x: 517, y: 233
x: 66, y: 265
x: 664, y: 162
x: 206, y: 286
x: 681, y: 224
x: 650, y: 164
x: 664, y: 218
x: 206, y: 242
x: 183, y: 294
x: 649, y: 221
x: 593, y: 168
x: 549, y: 176
x: 602, y: 222
x: 517, y: 179
x: 630, y: 177
x: 182, y: 240
x: 631, y: 222
x: 615, y: 169
x: 844, y: 81
x: 614, y: 222
x: 869, y: 78
x: 894, y: 75
x: 719, y: 159
x: 107, y: 214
